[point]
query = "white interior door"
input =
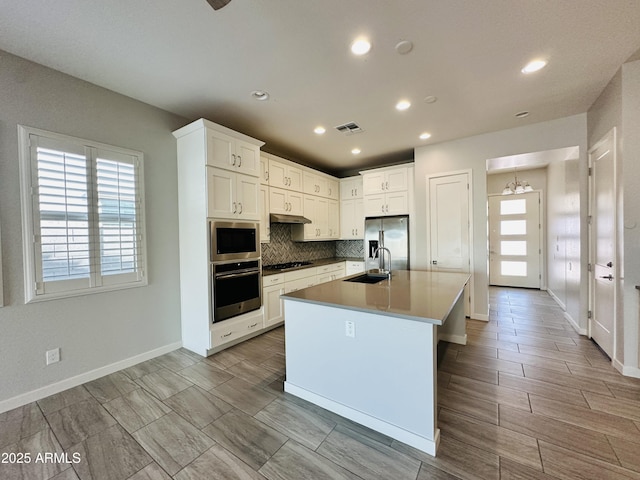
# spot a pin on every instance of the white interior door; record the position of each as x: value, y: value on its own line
x: 449, y: 225
x: 514, y: 240
x: 449, y: 214
x: 602, y: 239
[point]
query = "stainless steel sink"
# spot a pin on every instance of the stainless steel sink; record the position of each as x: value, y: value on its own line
x: 368, y: 278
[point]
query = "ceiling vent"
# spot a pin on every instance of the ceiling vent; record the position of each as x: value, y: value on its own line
x: 349, y: 128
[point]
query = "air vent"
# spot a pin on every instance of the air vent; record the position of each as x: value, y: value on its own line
x: 349, y: 128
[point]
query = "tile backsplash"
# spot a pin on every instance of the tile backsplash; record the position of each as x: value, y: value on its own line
x: 282, y: 249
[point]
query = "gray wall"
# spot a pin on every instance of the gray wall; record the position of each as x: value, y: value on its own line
x: 93, y: 331
x: 472, y: 153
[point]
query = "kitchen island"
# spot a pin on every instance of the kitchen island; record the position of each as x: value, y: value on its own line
x: 368, y: 352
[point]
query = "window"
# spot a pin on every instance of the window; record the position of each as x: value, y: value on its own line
x: 83, y: 216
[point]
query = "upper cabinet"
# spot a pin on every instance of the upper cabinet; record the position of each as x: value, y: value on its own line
x: 283, y: 174
x: 264, y: 170
x: 394, y: 179
x: 232, y: 195
x: 225, y: 151
x: 351, y: 187
x: 387, y: 191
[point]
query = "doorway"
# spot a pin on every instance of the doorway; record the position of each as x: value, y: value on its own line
x: 515, y: 233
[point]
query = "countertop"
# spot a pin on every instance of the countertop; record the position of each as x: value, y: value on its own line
x: 314, y: 263
x: 411, y: 294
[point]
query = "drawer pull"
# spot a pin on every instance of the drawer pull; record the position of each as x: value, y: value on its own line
x: 226, y: 334
x: 251, y: 326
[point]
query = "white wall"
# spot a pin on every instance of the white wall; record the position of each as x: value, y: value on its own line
x: 97, y: 330
x: 472, y: 152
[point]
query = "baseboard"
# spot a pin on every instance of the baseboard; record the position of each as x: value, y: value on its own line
x: 32, y: 396
x: 574, y: 324
x: 557, y: 300
x: 416, y: 441
x: 459, y: 339
x: 479, y: 316
x: 626, y: 370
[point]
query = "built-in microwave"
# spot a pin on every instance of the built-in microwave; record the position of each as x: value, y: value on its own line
x: 234, y: 240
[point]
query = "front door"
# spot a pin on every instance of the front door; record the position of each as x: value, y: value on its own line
x: 602, y: 239
x: 514, y: 240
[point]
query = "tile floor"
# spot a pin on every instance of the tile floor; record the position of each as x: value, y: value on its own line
x: 527, y: 398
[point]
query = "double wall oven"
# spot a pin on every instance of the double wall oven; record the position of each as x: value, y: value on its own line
x: 236, y: 277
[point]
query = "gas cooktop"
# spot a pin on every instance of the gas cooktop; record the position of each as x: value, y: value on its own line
x: 285, y: 266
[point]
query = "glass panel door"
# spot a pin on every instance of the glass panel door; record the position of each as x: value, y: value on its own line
x: 514, y: 240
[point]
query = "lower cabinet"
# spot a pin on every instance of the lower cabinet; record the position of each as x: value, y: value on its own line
x: 353, y: 267
x: 235, y: 328
x: 273, y: 307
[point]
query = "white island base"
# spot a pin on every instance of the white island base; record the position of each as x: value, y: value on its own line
x: 383, y: 377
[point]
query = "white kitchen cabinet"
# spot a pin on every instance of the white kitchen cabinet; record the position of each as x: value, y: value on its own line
x: 351, y: 188
x: 352, y: 219
x: 285, y: 202
x: 324, y: 215
x: 285, y: 175
x: 231, y: 153
x: 392, y: 179
x: 273, y: 306
x: 396, y: 203
x: 208, y: 185
x: 265, y: 224
x: 333, y: 271
x: 314, y: 184
x: 353, y: 267
x: 264, y: 170
x: 232, y: 195
x: 299, y: 279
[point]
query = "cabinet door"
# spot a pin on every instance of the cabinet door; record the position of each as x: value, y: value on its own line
x: 396, y: 203
x: 273, y: 305
x: 264, y: 170
x: 295, y: 178
x: 248, y: 197
x: 358, y: 218
x: 322, y: 216
x: 334, y: 219
x: 277, y: 174
x: 310, y: 205
x: 220, y: 193
x: 265, y: 225
x: 396, y: 180
x: 278, y: 201
x: 333, y: 189
x: 373, y: 183
x: 295, y: 200
x: 310, y: 184
x: 347, y: 215
x: 247, y: 158
x: 374, y: 205
x: 220, y: 150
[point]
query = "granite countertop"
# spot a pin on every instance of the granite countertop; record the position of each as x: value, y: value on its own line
x: 410, y: 294
x: 314, y: 263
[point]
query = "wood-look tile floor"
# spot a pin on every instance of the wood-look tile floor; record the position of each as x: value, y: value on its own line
x: 527, y: 398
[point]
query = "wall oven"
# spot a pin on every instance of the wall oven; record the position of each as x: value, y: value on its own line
x: 236, y: 288
x: 231, y: 240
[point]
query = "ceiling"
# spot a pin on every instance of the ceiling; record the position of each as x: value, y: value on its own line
x: 187, y: 58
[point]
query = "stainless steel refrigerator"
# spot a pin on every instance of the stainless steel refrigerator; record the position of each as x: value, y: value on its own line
x: 389, y: 232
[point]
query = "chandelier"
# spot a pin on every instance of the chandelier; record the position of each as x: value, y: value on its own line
x: 517, y: 186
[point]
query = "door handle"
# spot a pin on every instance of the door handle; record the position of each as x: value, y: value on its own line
x: 239, y: 161
x: 233, y: 155
x: 434, y: 262
x: 610, y: 264
x: 608, y: 277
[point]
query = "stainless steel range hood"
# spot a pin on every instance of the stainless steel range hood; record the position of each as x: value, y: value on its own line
x: 281, y: 218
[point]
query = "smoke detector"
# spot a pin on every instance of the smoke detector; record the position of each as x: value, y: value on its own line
x: 349, y: 128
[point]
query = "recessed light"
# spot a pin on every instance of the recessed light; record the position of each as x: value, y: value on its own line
x: 430, y: 99
x: 425, y: 135
x: 319, y: 130
x: 356, y: 151
x: 534, y: 66
x: 260, y: 95
x: 360, y: 46
x: 522, y: 114
x: 403, y: 105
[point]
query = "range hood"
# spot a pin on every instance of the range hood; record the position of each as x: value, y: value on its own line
x: 282, y: 218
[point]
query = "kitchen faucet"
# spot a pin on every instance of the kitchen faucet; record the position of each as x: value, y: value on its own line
x: 381, y: 260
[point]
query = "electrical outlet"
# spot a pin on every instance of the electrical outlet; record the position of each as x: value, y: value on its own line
x: 53, y: 356
x: 350, y: 328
